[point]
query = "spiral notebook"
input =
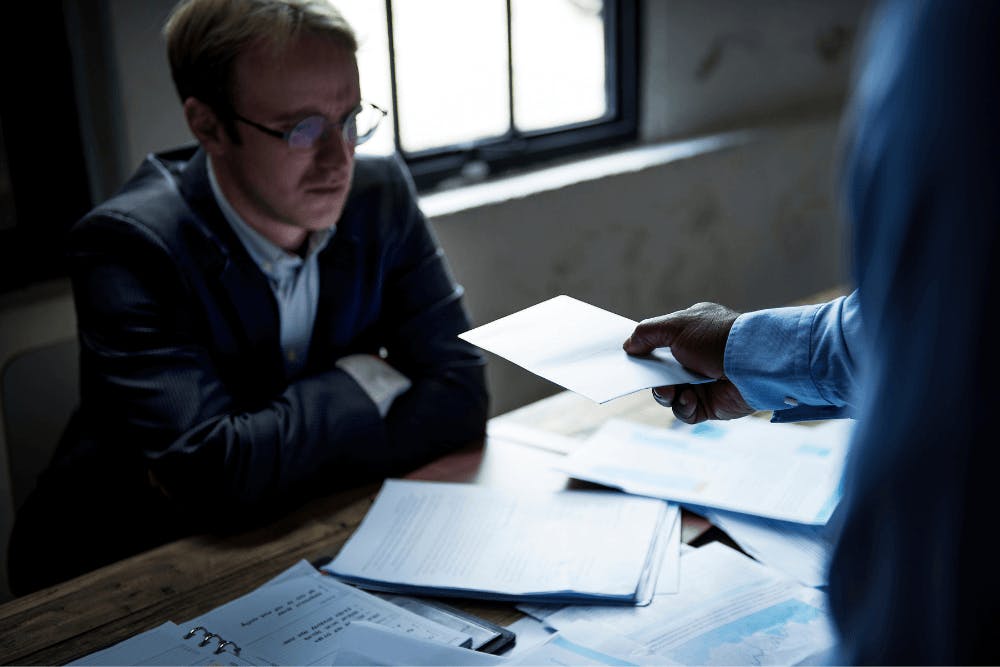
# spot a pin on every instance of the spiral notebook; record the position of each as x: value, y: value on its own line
x: 294, y: 619
x: 169, y: 644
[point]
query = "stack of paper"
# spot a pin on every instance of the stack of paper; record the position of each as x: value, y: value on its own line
x: 431, y: 538
x: 772, y: 487
x: 730, y: 611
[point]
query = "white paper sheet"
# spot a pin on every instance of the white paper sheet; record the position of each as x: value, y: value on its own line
x: 367, y: 644
x: 363, y: 643
x: 781, y: 471
x: 591, y: 645
x: 530, y: 633
x: 731, y: 610
x: 669, y: 581
x: 462, y: 539
x: 578, y: 346
x: 802, y: 552
x: 297, y: 619
x: 531, y: 436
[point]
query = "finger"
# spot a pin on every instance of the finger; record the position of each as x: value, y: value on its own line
x: 686, y: 405
x: 651, y: 334
x: 706, y: 399
x: 718, y: 400
x: 664, y: 395
x: 726, y: 402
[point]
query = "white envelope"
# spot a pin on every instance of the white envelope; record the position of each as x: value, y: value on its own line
x: 579, y: 346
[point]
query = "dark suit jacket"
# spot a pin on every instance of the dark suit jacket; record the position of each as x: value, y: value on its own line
x: 181, y: 366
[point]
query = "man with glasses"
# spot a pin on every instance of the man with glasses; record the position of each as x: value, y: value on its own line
x: 262, y: 318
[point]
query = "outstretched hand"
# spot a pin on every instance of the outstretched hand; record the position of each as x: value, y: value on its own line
x: 697, y: 337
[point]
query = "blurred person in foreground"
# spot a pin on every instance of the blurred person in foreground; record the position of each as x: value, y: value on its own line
x: 909, y: 354
x: 264, y: 317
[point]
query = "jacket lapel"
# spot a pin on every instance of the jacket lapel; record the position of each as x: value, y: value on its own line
x: 242, y: 290
x: 339, y: 298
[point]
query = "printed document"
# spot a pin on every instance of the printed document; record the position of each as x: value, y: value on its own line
x: 800, y: 551
x: 435, y: 538
x: 367, y: 644
x: 579, y: 347
x: 364, y: 643
x: 297, y: 618
x: 731, y: 610
x: 780, y: 471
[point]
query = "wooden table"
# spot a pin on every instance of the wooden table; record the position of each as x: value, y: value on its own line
x: 189, y: 577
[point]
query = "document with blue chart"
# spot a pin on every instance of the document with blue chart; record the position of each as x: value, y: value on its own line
x: 788, y: 472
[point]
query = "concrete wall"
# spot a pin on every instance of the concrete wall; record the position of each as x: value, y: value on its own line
x: 718, y: 64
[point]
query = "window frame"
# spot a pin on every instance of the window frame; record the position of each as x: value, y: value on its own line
x: 473, y: 161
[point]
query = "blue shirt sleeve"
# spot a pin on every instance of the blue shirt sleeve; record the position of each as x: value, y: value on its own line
x: 798, y: 361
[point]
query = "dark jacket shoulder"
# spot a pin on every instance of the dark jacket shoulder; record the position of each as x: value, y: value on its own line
x: 154, y: 209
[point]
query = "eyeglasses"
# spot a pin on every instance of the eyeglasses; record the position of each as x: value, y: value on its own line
x: 356, y: 128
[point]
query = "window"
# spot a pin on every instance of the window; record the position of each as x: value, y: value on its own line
x: 475, y: 88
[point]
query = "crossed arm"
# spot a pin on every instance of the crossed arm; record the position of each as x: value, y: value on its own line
x: 157, y: 385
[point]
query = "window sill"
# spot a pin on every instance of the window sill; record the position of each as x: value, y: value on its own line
x: 547, y: 179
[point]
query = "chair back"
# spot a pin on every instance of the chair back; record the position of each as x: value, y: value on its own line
x: 39, y: 389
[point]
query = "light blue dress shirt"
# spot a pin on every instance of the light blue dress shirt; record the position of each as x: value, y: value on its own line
x: 799, y: 361
x: 294, y: 280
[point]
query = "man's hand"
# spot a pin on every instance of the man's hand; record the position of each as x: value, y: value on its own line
x: 697, y: 337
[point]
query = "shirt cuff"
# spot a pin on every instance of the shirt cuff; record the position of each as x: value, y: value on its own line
x: 379, y: 380
x: 767, y: 358
x: 812, y: 412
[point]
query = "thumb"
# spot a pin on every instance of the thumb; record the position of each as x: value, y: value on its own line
x: 651, y: 334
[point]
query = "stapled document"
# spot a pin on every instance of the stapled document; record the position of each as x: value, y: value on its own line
x: 463, y: 540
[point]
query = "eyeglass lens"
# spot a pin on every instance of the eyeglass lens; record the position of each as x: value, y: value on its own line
x: 356, y: 128
x: 307, y: 132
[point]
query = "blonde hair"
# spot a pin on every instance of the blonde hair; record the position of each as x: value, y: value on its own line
x: 204, y: 37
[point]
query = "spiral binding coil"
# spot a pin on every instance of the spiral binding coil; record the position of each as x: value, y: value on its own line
x: 207, y: 637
